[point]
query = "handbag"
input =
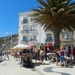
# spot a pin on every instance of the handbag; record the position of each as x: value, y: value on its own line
x: 43, y: 53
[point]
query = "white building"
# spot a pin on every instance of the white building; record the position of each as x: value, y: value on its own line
x: 31, y: 32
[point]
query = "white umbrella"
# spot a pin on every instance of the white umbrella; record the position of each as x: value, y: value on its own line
x: 20, y: 46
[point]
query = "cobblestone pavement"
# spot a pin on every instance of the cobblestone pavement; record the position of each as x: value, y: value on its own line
x: 11, y: 67
x: 52, y: 69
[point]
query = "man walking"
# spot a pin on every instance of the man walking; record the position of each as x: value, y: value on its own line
x: 7, y: 54
x: 74, y: 54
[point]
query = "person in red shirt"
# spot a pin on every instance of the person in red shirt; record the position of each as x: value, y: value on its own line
x: 74, y: 54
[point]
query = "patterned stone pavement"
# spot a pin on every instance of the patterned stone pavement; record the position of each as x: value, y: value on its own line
x: 11, y: 67
x: 52, y: 69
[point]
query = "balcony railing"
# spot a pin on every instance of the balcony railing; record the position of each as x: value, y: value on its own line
x: 24, y: 31
x: 68, y: 39
x: 33, y: 40
x: 33, y: 29
x: 23, y: 22
x: 50, y: 32
x: 51, y: 40
x: 24, y: 41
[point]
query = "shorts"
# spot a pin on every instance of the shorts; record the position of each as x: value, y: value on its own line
x: 42, y: 58
x: 62, y: 59
x: 57, y: 59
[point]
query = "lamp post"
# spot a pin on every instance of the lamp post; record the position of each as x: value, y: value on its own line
x: 5, y: 43
x: 5, y: 39
x: 11, y: 43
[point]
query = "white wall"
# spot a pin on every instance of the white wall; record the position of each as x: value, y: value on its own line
x: 41, y: 36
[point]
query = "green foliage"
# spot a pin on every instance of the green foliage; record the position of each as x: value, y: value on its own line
x: 58, y: 13
x: 55, y: 15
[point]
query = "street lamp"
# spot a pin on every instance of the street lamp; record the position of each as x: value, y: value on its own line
x: 5, y: 40
x: 11, y: 43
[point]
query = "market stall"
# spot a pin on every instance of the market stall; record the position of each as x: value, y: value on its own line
x: 25, y: 55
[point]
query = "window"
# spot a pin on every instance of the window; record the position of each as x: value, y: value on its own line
x: 48, y: 38
x: 67, y: 34
x: 25, y: 20
x: 24, y: 38
x: 33, y: 28
x: 33, y: 38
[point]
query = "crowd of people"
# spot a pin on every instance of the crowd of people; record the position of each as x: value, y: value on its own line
x: 4, y: 54
x: 65, y: 56
x: 60, y: 56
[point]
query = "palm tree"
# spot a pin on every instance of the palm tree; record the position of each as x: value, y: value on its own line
x: 55, y: 15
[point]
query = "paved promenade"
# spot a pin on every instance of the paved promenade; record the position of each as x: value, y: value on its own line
x: 52, y: 69
x: 11, y: 67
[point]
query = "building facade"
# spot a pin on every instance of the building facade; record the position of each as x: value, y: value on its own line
x: 67, y: 39
x: 31, y: 32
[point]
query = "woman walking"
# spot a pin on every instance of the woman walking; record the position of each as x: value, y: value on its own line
x: 57, y: 56
x: 42, y: 55
x: 62, y: 58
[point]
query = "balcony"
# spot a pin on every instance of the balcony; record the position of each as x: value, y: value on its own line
x: 25, y: 41
x: 23, y: 23
x: 24, y: 31
x: 33, y: 40
x: 48, y: 32
x: 33, y: 29
x: 68, y: 39
x: 33, y: 23
x: 51, y: 40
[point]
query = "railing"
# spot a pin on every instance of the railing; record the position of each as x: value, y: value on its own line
x: 33, y: 29
x: 68, y: 39
x: 23, y: 22
x: 24, y: 31
x: 24, y: 41
x: 48, y: 32
x: 51, y: 40
x: 33, y: 40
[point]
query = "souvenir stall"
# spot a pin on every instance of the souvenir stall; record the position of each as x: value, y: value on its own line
x: 25, y: 55
x: 49, y: 51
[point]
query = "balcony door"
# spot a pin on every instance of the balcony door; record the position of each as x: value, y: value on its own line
x: 33, y: 38
x: 25, y: 39
x: 67, y: 34
x: 48, y: 38
x: 33, y: 28
x: 25, y: 20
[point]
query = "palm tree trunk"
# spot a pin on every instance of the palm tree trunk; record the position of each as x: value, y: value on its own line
x: 56, y: 32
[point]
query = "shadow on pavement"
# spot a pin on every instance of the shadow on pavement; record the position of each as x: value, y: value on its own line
x: 1, y: 61
x: 37, y: 63
x: 31, y: 66
x: 49, y: 69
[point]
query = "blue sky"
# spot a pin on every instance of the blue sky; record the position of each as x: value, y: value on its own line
x: 9, y: 14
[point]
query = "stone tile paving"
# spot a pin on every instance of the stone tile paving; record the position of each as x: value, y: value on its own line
x: 11, y: 67
x: 52, y: 69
